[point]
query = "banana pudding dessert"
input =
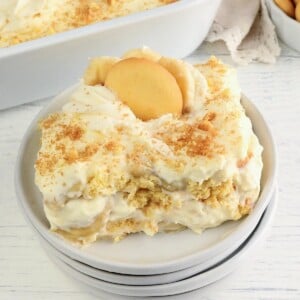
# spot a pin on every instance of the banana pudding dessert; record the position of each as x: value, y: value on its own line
x: 147, y: 143
x: 25, y: 20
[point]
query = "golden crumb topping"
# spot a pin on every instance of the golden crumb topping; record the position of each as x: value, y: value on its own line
x: 210, y: 192
x: 196, y: 139
x: 45, y: 163
x: 60, y: 132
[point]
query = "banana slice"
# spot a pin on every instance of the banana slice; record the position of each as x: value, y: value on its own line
x: 144, y: 52
x: 98, y: 69
x: 146, y: 87
x: 181, y: 71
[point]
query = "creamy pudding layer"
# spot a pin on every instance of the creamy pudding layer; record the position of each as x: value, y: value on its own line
x: 24, y: 20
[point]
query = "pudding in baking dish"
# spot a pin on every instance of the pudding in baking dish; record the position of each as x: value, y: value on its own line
x: 25, y: 20
x: 148, y: 144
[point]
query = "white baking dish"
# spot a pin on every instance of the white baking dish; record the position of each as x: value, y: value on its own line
x: 41, y: 68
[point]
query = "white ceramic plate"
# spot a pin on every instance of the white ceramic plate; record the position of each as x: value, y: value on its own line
x: 161, y: 253
x: 136, y: 279
x: 195, y: 282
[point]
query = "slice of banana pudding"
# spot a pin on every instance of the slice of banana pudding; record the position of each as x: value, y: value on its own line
x: 147, y: 143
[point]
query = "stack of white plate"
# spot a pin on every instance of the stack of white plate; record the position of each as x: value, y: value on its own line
x: 141, y: 266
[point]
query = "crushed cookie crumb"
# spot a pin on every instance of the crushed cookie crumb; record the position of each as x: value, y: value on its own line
x: 243, y: 162
x: 73, y: 132
x: 71, y: 155
x: 190, y: 137
x: 211, y: 193
x: 210, y: 116
x: 45, y: 163
x: 49, y: 121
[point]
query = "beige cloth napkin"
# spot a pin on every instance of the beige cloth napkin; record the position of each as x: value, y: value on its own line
x: 247, y: 30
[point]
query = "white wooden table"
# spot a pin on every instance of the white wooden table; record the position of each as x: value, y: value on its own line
x: 273, y: 271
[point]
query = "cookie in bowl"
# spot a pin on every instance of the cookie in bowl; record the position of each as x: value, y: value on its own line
x: 148, y: 144
x: 285, y: 15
